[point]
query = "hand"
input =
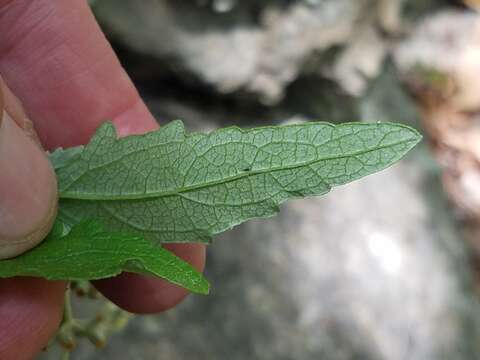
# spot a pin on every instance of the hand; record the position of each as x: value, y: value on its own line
x: 55, y: 59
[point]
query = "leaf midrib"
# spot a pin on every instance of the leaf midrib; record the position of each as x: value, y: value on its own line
x: 159, y: 194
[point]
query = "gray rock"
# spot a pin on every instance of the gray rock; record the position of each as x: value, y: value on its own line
x: 259, y: 49
x: 387, y: 100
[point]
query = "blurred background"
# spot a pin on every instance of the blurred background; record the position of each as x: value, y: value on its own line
x: 386, y: 268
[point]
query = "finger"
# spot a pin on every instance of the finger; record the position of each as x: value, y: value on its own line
x: 55, y: 58
x: 29, y: 309
x: 14, y: 108
x: 28, y: 190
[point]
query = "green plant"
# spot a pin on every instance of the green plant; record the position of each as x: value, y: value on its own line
x: 120, y: 199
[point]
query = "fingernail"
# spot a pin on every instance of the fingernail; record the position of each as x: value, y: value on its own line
x: 28, y: 191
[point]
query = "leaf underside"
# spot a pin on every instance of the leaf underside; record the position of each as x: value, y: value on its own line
x: 170, y: 187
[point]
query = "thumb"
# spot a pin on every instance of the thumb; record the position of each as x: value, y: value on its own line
x: 28, y: 189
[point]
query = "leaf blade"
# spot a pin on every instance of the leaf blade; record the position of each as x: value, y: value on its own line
x: 171, y: 187
x: 87, y: 252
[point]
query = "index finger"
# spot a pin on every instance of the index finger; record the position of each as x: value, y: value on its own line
x: 57, y: 61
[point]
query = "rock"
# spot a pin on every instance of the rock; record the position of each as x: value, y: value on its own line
x: 259, y: 49
x: 386, y: 99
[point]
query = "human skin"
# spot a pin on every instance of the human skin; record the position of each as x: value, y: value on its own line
x: 55, y: 59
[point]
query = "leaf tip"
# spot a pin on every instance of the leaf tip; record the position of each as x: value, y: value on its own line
x: 204, y: 287
x: 416, y: 136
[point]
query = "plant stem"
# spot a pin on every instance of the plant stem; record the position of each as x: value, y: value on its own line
x: 66, y: 355
x: 66, y: 335
x: 110, y: 319
x: 67, y: 312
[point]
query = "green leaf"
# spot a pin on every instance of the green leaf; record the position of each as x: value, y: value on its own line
x: 87, y: 252
x: 171, y: 187
x: 61, y: 157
